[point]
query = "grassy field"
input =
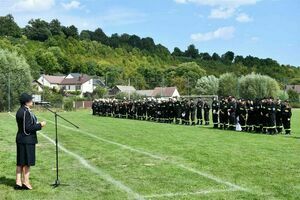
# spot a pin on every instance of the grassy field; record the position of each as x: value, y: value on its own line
x: 125, y: 159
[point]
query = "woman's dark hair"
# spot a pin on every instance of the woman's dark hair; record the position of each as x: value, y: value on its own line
x: 25, y: 98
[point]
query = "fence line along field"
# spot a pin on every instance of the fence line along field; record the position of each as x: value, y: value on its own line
x: 111, y: 158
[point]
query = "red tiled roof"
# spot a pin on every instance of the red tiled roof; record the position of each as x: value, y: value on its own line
x: 76, y: 81
x: 164, y: 92
x: 54, y: 79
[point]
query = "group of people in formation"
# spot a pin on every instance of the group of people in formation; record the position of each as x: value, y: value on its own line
x: 265, y: 115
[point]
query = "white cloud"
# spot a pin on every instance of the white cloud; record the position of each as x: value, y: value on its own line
x: 71, y: 5
x: 33, y: 5
x: 243, y: 17
x: 224, y: 33
x: 222, y: 13
x: 223, y: 9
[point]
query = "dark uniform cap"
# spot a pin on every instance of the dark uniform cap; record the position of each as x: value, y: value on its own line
x: 25, y: 98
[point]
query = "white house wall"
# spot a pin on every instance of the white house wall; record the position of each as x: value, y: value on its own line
x: 87, y: 86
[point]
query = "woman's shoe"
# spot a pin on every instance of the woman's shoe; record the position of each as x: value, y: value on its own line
x: 18, y: 187
x: 25, y: 187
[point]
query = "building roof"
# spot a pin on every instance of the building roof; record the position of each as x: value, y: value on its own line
x: 125, y: 88
x: 76, y: 81
x: 75, y: 75
x: 98, y: 82
x: 296, y: 88
x: 147, y: 93
x: 54, y: 79
x: 164, y: 91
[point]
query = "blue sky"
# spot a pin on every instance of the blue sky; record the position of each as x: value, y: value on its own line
x: 262, y: 28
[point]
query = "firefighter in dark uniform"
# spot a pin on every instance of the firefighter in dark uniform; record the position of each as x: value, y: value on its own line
x: 26, y: 140
x: 199, y: 107
x: 271, y: 116
x: 193, y: 112
x: 232, y: 113
x: 251, y: 116
x: 223, y: 114
x: 257, y: 114
x: 186, y: 113
x: 278, y: 108
x: 264, y: 116
x: 215, y: 112
x: 178, y: 111
x: 286, y: 117
x: 242, y: 114
x: 206, y: 109
x: 94, y: 107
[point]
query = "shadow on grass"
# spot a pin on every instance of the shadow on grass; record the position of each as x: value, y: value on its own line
x: 7, y: 181
x: 293, y: 137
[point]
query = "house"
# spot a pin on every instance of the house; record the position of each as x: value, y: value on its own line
x: 122, y: 88
x: 165, y: 92
x: 70, y: 83
x: 145, y: 93
x: 295, y: 88
x: 50, y: 81
x: 82, y: 83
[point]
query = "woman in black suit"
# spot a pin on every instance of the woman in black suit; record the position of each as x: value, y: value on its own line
x: 26, y: 140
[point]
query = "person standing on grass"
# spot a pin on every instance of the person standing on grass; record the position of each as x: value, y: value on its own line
x: 26, y: 140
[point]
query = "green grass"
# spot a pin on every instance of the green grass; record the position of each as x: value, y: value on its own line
x: 268, y: 167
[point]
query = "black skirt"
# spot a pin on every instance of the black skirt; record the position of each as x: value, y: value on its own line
x: 25, y: 154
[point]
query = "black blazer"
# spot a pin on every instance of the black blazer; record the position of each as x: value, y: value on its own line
x: 27, y: 126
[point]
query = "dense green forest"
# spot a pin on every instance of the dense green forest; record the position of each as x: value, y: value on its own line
x: 52, y: 48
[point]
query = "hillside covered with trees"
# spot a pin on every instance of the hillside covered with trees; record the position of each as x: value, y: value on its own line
x: 52, y: 48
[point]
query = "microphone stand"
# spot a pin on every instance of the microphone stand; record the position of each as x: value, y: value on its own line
x: 57, y: 182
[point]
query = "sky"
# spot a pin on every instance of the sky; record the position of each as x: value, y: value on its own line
x: 261, y: 28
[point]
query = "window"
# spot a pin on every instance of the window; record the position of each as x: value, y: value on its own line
x: 78, y: 87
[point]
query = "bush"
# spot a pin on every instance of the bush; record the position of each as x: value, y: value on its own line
x: 258, y: 86
x: 228, y: 85
x: 293, y: 96
x: 207, y: 85
x: 68, y: 105
x: 283, y: 95
x: 50, y: 95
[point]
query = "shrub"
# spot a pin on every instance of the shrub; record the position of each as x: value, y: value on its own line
x: 207, y: 85
x: 68, y: 105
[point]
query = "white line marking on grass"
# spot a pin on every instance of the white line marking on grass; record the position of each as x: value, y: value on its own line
x: 206, y: 175
x: 203, y: 192
x: 104, y: 175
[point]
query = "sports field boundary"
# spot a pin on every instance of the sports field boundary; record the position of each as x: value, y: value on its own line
x: 159, y: 157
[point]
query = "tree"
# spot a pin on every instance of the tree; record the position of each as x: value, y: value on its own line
x: 228, y: 57
x: 85, y: 35
x: 70, y: 31
x: 177, y: 52
x: 207, y: 85
x: 215, y: 57
x: 228, y: 85
x: 100, y: 36
x: 37, y: 30
x: 191, y: 51
x: 258, y: 86
x: 55, y: 27
x: 48, y: 62
x: 293, y: 96
x: 13, y: 67
x: 205, y: 56
x: 9, y: 27
x: 190, y: 71
x: 99, y: 92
